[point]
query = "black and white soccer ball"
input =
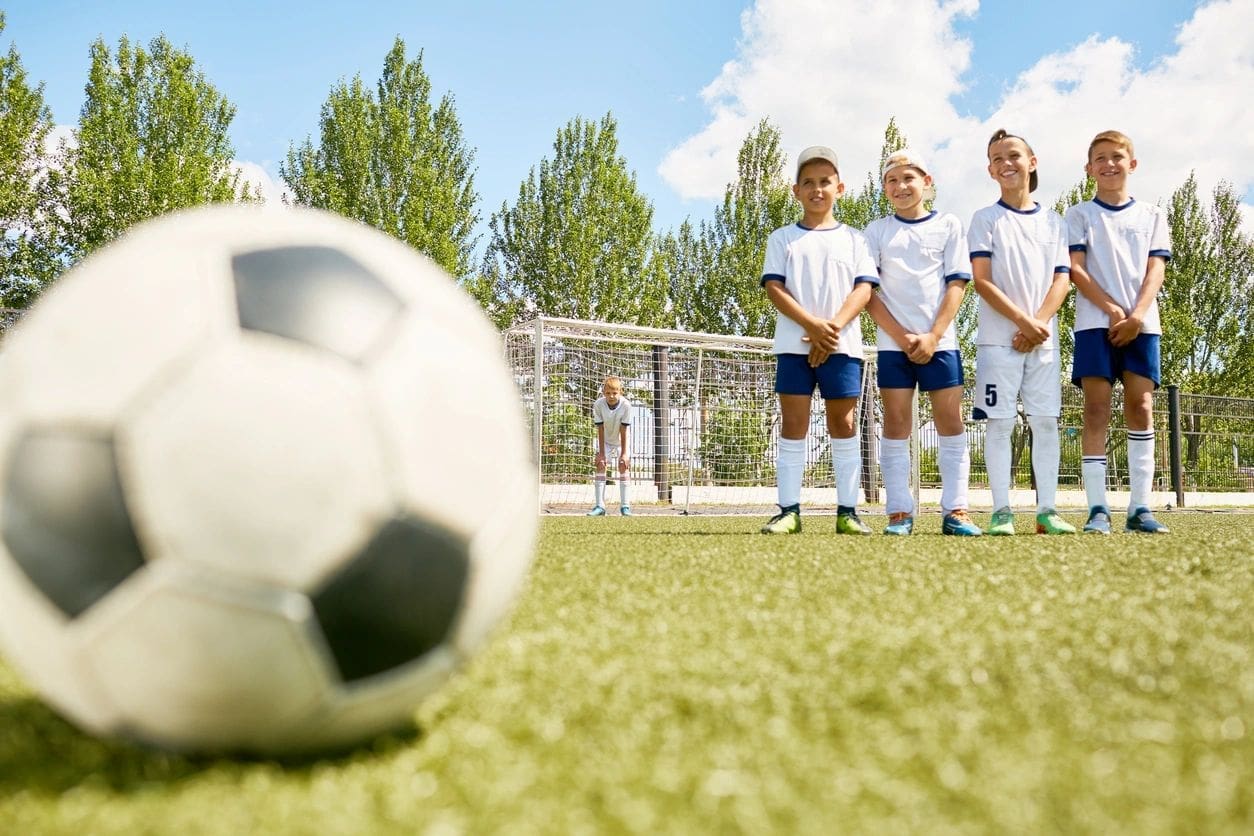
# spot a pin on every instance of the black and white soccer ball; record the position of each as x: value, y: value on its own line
x: 264, y: 484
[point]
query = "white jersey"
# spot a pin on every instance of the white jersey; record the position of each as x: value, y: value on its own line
x: 917, y: 260
x: 612, y: 419
x: 819, y: 267
x: 1118, y: 242
x: 1025, y: 249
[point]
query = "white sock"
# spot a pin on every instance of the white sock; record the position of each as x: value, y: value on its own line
x: 895, y: 465
x: 1140, y: 467
x: 955, y: 468
x: 599, y: 487
x: 847, y: 465
x: 622, y: 490
x: 997, y: 459
x: 1093, y: 468
x: 1045, y: 451
x: 790, y: 465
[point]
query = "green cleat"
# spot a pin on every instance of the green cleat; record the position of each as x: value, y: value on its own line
x: 1002, y: 524
x: 787, y: 521
x: 899, y: 524
x: 1048, y: 522
x: 959, y: 522
x: 848, y: 523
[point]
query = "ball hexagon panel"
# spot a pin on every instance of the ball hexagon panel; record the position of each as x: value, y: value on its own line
x: 317, y: 295
x: 396, y: 600
x: 262, y: 460
x: 198, y: 663
x: 64, y: 517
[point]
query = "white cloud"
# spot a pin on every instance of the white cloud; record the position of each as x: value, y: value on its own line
x: 255, y: 176
x: 837, y: 79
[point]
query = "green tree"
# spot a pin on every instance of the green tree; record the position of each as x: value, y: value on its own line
x: 393, y: 160
x: 858, y: 210
x: 151, y: 138
x: 25, y: 121
x: 578, y: 241
x: 1080, y: 192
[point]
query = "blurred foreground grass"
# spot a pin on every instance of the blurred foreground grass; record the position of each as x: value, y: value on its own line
x: 687, y: 675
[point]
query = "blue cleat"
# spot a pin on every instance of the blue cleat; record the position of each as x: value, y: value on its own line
x: 598, y: 511
x: 899, y: 524
x: 959, y: 522
x: 625, y: 510
x: 1143, y: 522
x: 1099, y: 520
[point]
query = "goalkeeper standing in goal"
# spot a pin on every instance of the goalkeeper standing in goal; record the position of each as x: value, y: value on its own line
x: 612, y: 415
x: 819, y: 275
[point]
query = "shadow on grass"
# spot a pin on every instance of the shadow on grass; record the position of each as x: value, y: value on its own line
x: 42, y: 753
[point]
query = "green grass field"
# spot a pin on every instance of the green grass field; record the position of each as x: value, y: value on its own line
x: 687, y: 675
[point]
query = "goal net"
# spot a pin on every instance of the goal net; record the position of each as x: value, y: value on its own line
x: 704, y: 423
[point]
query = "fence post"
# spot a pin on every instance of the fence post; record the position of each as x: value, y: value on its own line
x: 1173, y: 444
x: 661, y: 430
x: 537, y: 421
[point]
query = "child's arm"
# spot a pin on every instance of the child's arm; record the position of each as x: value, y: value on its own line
x: 1129, y: 328
x: 622, y: 447
x: 1034, y: 331
x: 925, y: 344
x: 1088, y: 287
x: 821, y: 333
x: 883, y: 318
x: 600, y: 459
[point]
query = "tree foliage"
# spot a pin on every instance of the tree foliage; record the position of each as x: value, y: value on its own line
x: 393, y: 160
x: 1080, y: 192
x: 151, y: 138
x: 578, y: 241
x: 25, y: 123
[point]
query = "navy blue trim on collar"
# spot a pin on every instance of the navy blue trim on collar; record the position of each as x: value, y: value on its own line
x: 926, y: 217
x: 800, y: 225
x: 1131, y: 201
x: 1036, y: 207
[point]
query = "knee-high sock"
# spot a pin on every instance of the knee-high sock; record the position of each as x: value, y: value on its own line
x: 790, y: 465
x: 955, y: 468
x: 1093, y: 468
x: 623, y: 482
x: 1140, y: 467
x: 1045, y: 452
x: 847, y: 465
x: 599, y: 487
x: 895, y: 464
x: 997, y: 459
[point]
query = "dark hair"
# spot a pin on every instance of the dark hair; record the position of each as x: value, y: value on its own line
x: 1002, y: 133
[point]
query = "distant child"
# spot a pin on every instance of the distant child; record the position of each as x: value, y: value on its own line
x: 1119, y: 253
x: 818, y: 274
x: 924, y: 270
x: 1022, y: 274
x: 612, y: 415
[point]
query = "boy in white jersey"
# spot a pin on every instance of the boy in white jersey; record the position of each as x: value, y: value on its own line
x: 924, y: 270
x: 1022, y: 274
x: 1119, y: 252
x: 818, y: 274
x: 612, y: 415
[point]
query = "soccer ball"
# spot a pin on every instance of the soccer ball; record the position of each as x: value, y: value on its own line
x: 264, y: 484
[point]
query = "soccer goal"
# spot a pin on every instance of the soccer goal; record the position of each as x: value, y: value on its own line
x: 705, y: 421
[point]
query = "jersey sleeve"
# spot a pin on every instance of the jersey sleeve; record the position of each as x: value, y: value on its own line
x: 980, y: 236
x: 775, y: 267
x: 1062, y: 261
x: 957, y: 259
x: 864, y: 269
x: 1160, y: 237
x: 626, y: 404
x: 598, y: 411
x: 872, y: 237
x: 1077, y: 230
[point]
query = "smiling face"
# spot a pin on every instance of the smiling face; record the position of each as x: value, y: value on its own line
x: 1109, y: 165
x: 817, y: 187
x: 1011, y: 163
x: 906, y: 188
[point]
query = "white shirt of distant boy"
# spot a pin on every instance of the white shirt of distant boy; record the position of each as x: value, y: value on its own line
x: 917, y: 259
x: 1026, y: 247
x: 819, y: 267
x: 612, y: 418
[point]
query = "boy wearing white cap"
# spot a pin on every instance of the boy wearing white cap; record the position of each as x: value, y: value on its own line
x: 818, y: 274
x: 924, y: 270
x: 1022, y: 274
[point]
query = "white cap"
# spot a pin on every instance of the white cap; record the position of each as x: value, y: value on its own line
x: 904, y: 157
x: 817, y: 152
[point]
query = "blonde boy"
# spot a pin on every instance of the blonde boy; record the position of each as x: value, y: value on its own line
x: 612, y: 415
x: 1119, y: 252
x: 1019, y: 258
x: 818, y: 274
x: 924, y: 270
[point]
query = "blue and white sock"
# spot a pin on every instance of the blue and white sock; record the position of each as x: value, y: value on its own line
x: 1140, y: 467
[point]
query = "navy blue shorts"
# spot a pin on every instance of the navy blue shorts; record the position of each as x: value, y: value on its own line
x: 1096, y: 357
x: 943, y: 371
x: 840, y: 376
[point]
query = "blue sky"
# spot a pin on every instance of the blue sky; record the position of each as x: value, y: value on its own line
x: 685, y: 80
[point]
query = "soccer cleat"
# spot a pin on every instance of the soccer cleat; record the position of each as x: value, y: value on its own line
x: 1002, y: 524
x: 1143, y: 522
x: 848, y: 523
x: 1048, y: 522
x: 785, y: 522
x: 959, y: 522
x: 1099, y: 520
x: 625, y: 510
x: 899, y: 524
x: 598, y: 511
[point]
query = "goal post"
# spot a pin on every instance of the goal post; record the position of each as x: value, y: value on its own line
x: 704, y: 423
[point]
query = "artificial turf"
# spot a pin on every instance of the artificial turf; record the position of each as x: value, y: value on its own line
x: 688, y: 675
